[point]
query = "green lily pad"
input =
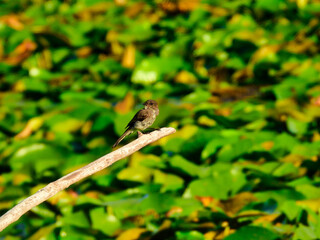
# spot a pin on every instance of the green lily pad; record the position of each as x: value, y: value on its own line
x: 253, y: 233
x: 155, y: 69
x: 39, y: 156
x: 224, y: 182
x: 104, y: 222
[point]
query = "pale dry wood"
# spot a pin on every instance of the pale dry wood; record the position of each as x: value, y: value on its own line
x: 53, y: 188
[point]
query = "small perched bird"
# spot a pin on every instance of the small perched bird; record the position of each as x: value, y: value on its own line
x: 142, y: 120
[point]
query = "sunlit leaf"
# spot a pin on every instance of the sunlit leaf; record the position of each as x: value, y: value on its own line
x: 131, y: 234
x: 38, y: 155
x: 304, y: 232
x: 199, y: 95
x: 137, y: 174
x: 43, y: 232
x: 291, y: 209
x: 169, y: 182
x: 104, y: 222
x: 152, y: 70
x: 193, y: 235
x: 296, y: 127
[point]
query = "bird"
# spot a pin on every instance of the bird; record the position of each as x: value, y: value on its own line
x: 143, y: 119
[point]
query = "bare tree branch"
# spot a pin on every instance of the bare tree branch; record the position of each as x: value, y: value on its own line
x: 53, y: 188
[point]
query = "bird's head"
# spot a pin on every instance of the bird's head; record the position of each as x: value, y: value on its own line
x: 151, y: 104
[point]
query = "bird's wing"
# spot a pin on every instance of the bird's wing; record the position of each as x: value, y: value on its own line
x: 140, y: 116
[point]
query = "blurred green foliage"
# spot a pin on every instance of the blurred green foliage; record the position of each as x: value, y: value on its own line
x: 239, y: 80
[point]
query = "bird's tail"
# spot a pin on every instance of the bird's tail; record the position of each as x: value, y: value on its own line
x: 126, y: 133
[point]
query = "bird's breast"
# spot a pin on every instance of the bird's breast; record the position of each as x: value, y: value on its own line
x: 142, y: 125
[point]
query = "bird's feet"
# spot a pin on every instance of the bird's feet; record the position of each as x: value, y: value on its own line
x: 139, y: 134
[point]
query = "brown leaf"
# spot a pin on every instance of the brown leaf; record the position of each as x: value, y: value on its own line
x: 129, y: 56
x: 134, y: 9
x: 313, y: 204
x: 316, y: 101
x: 236, y: 203
x: 117, y: 49
x: 25, y: 46
x: 207, y: 201
x: 267, y: 218
x: 300, y: 46
x: 22, y: 52
x: 90, y: 12
x: 33, y: 125
x: 173, y: 211
x: 217, y: 11
x: 295, y: 159
x: 206, y: 121
x: 84, y: 52
x: 169, y: 6
x: 264, y: 52
x: 223, y: 112
x: 236, y: 93
x: 211, y: 235
x: 179, y: 5
x: 19, y: 178
x: 290, y: 66
x: 120, y: 2
x: 111, y: 36
x: 268, y: 145
x: 227, y: 229
x: 131, y: 234
x: 187, y: 5
x: 242, y: 75
x: 126, y: 104
x: 45, y: 59
x: 86, y: 128
x: 316, y: 137
x: 62, y: 196
x: 185, y: 77
x: 92, y: 194
x: 13, y: 21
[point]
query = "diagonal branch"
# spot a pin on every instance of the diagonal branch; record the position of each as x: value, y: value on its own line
x: 53, y: 188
